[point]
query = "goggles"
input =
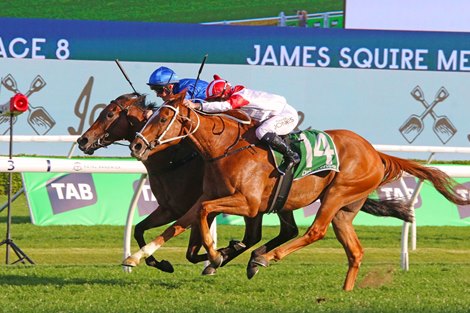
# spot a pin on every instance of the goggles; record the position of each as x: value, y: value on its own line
x: 159, y: 89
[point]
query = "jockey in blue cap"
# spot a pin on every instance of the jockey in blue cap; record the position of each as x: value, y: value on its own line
x: 166, y: 83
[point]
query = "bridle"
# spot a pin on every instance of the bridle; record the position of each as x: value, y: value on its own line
x: 150, y: 145
x: 101, y: 143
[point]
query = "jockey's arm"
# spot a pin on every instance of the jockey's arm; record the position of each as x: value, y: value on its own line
x: 192, y: 105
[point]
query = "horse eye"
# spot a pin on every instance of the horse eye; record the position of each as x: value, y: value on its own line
x: 163, y: 119
x: 110, y: 114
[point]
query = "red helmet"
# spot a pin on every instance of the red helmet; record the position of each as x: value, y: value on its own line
x: 218, y: 88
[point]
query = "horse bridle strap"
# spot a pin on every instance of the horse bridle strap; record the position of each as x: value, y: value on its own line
x: 124, y: 110
x: 228, y: 153
x: 159, y: 140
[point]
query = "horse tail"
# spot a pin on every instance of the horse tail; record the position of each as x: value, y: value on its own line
x: 443, y: 183
x: 392, y: 207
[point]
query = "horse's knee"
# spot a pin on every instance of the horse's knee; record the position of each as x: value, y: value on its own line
x: 139, y: 230
x: 355, y: 257
x: 192, y: 254
x: 203, y: 213
x: 315, y: 234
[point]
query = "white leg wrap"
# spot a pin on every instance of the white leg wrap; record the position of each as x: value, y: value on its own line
x: 146, y: 250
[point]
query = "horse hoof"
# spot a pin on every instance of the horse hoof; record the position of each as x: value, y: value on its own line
x: 217, y: 262
x: 260, y: 260
x: 237, y: 245
x: 209, y: 271
x: 251, y: 270
x: 165, y: 266
x: 130, y: 262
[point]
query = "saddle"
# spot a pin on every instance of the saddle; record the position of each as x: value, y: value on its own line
x: 317, y: 153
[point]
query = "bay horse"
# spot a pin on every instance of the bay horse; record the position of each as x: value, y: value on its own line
x: 175, y: 177
x: 240, y: 177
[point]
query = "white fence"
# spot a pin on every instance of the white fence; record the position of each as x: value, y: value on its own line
x: 116, y: 166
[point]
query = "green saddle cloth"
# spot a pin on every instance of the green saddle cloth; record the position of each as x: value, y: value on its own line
x: 317, y: 153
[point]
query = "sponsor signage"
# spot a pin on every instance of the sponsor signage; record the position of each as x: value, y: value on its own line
x: 85, y: 199
x: 104, y: 199
x: 71, y: 192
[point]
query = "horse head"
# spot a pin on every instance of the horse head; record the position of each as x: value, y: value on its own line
x: 166, y: 127
x: 120, y: 119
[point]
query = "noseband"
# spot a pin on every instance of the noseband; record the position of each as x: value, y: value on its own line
x: 158, y: 141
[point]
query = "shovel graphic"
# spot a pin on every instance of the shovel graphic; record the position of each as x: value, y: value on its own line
x: 414, y: 125
x: 443, y: 127
x: 38, y: 118
x: 8, y: 82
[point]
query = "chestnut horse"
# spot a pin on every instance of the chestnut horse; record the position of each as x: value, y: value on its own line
x: 175, y: 177
x: 242, y: 183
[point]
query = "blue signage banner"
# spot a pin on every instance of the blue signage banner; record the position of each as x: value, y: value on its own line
x: 252, y: 45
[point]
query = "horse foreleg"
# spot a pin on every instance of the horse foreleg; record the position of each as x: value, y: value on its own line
x: 234, y: 204
x: 344, y: 231
x: 235, y: 247
x: 195, y: 244
x: 288, y: 231
x: 252, y: 236
x: 160, y: 216
x: 174, y: 230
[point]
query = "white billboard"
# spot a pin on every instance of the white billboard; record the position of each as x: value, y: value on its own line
x: 416, y: 15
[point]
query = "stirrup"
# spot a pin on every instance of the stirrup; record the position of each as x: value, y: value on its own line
x: 293, y: 158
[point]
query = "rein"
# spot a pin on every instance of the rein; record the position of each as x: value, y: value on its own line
x: 228, y: 153
x: 158, y: 141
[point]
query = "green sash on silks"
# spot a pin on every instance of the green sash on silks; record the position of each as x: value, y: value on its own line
x: 317, y: 152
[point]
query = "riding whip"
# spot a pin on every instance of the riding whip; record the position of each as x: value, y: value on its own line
x: 198, y: 74
x: 125, y: 75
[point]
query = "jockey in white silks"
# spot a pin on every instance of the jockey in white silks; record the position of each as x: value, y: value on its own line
x: 275, y: 115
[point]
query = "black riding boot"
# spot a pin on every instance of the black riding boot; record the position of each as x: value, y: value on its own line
x: 279, y: 145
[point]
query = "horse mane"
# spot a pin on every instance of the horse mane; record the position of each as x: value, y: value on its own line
x: 141, y: 99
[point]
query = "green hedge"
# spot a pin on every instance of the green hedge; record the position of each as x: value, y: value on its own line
x: 16, y: 183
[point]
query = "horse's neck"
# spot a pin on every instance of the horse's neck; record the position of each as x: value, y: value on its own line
x: 166, y: 159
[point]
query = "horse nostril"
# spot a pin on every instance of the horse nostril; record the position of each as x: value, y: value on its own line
x: 137, y: 147
x: 82, y: 141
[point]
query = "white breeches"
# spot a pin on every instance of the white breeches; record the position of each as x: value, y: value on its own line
x: 281, y: 124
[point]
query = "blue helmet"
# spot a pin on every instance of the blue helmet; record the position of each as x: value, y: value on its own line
x: 163, y: 76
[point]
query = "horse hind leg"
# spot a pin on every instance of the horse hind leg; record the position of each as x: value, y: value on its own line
x: 315, y: 232
x: 346, y: 235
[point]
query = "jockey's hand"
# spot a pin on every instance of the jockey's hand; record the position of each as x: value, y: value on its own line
x: 191, y: 104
